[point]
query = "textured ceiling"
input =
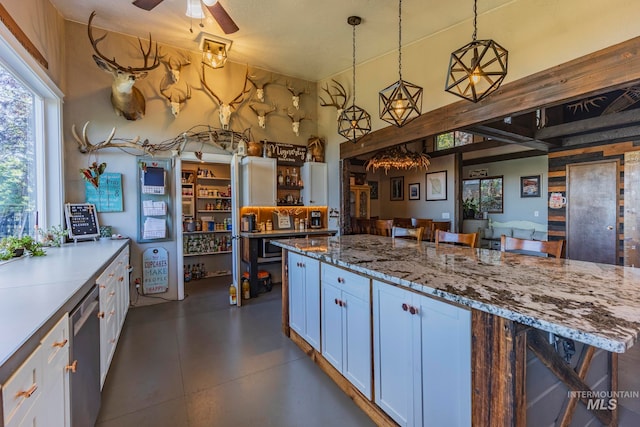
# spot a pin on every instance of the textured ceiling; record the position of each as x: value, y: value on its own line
x: 309, y: 39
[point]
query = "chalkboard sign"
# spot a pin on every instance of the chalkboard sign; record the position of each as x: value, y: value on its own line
x: 82, y: 221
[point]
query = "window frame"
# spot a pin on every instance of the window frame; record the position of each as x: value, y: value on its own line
x: 48, y: 127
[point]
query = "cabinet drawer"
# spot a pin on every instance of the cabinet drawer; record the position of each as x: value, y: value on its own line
x: 56, y: 341
x: 353, y: 283
x: 23, y: 388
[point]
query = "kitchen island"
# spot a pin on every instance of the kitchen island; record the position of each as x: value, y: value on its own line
x: 504, y: 305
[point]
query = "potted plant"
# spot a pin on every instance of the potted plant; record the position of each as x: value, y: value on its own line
x: 13, y: 246
x: 469, y: 208
x: 52, y: 236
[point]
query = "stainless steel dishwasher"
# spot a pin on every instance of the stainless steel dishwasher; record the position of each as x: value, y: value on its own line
x: 85, y: 357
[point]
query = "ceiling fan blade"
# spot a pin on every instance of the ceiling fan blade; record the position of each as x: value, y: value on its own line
x: 222, y: 17
x: 147, y: 4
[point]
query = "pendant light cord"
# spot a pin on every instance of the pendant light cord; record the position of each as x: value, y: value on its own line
x: 354, y: 65
x: 400, y: 39
x: 475, y: 19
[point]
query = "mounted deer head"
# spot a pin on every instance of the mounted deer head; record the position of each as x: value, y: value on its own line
x: 338, y: 97
x: 260, y: 85
x: 295, y: 121
x: 126, y: 99
x: 174, y: 65
x: 226, y: 109
x: 262, y: 113
x: 176, y: 96
x: 295, y: 98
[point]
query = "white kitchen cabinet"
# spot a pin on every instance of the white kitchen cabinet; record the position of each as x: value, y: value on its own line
x: 314, y: 179
x: 258, y: 181
x: 304, y: 298
x: 113, y: 284
x: 422, y: 358
x: 346, y: 325
x: 37, y: 394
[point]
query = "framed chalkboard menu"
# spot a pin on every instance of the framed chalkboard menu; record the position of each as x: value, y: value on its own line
x: 82, y: 221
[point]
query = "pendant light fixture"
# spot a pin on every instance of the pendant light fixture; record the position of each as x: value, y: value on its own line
x: 478, y: 68
x: 354, y: 122
x: 402, y: 101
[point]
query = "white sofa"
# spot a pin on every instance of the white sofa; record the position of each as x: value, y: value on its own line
x: 490, y: 237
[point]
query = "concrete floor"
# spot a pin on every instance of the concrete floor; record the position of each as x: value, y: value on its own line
x: 202, y: 363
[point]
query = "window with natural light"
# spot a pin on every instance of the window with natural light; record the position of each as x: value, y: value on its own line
x: 18, y: 189
x: 453, y: 139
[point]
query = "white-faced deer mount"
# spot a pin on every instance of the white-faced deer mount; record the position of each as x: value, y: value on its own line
x: 127, y: 100
x: 174, y: 65
x: 175, y: 94
x: 295, y: 121
x: 295, y: 94
x: 260, y: 85
x: 262, y: 113
x: 338, y: 96
x: 226, y: 108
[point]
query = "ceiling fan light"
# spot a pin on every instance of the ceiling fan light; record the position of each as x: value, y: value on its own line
x: 194, y: 9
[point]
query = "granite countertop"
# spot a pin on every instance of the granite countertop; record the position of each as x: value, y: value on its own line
x: 597, y: 304
x: 36, y: 291
x: 287, y: 233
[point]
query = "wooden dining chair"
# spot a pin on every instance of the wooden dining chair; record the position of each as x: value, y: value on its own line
x: 439, y: 225
x: 382, y: 227
x: 424, y: 223
x: 402, y: 222
x: 407, y: 233
x: 465, y: 239
x: 552, y: 247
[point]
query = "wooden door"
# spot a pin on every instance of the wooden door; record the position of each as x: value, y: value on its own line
x: 592, y: 211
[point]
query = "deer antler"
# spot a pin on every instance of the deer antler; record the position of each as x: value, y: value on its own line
x: 240, y: 98
x: 85, y: 146
x: 257, y: 84
x: 340, y: 92
x: 295, y: 92
x: 113, y: 62
x: 206, y: 86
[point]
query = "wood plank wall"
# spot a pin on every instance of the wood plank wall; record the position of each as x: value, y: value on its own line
x: 558, y: 161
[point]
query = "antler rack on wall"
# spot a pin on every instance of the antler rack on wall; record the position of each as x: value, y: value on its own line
x: 222, y: 139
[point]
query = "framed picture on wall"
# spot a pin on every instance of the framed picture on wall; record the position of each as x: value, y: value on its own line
x: 397, y: 188
x: 436, y: 185
x: 530, y: 186
x: 373, y: 193
x: 414, y: 191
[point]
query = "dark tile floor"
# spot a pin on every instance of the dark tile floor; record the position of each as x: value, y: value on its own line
x: 202, y: 363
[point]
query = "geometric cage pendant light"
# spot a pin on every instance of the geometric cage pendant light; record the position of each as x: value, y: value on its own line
x: 400, y: 102
x: 354, y: 122
x: 478, y: 68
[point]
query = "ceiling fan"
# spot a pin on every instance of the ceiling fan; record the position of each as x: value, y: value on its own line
x: 213, y: 6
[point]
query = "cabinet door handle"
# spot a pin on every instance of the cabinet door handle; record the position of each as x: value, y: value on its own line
x: 102, y: 286
x: 405, y: 307
x: 100, y: 315
x: 72, y: 368
x: 28, y: 393
x: 60, y: 343
x: 413, y: 310
x: 344, y: 303
x: 120, y: 279
x: 336, y: 301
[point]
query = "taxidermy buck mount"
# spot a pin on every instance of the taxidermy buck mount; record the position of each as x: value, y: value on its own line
x: 262, y: 113
x: 295, y: 121
x: 260, y: 85
x: 127, y: 100
x: 295, y: 94
x: 226, y: 108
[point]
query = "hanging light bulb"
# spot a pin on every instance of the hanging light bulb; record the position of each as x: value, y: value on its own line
x: 214, y: 54
x: 478, y: 68
x: 354, y: 122
x: 400, y: 102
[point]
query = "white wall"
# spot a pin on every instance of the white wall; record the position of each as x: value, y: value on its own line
x: 538, y: 34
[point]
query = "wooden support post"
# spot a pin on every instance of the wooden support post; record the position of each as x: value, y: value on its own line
x: 497, y: 372
x: 582, y: 369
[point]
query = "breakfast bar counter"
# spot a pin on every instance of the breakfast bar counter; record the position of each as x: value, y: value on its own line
x: 513, y: 302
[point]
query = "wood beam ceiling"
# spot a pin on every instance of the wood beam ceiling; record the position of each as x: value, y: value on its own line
x: 592, y: 74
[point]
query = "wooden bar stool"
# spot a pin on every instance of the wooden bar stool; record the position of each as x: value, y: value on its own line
x: 407, y: 233
x: 465, y: 239
x: 554, y: 247
x: 382, y: 227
